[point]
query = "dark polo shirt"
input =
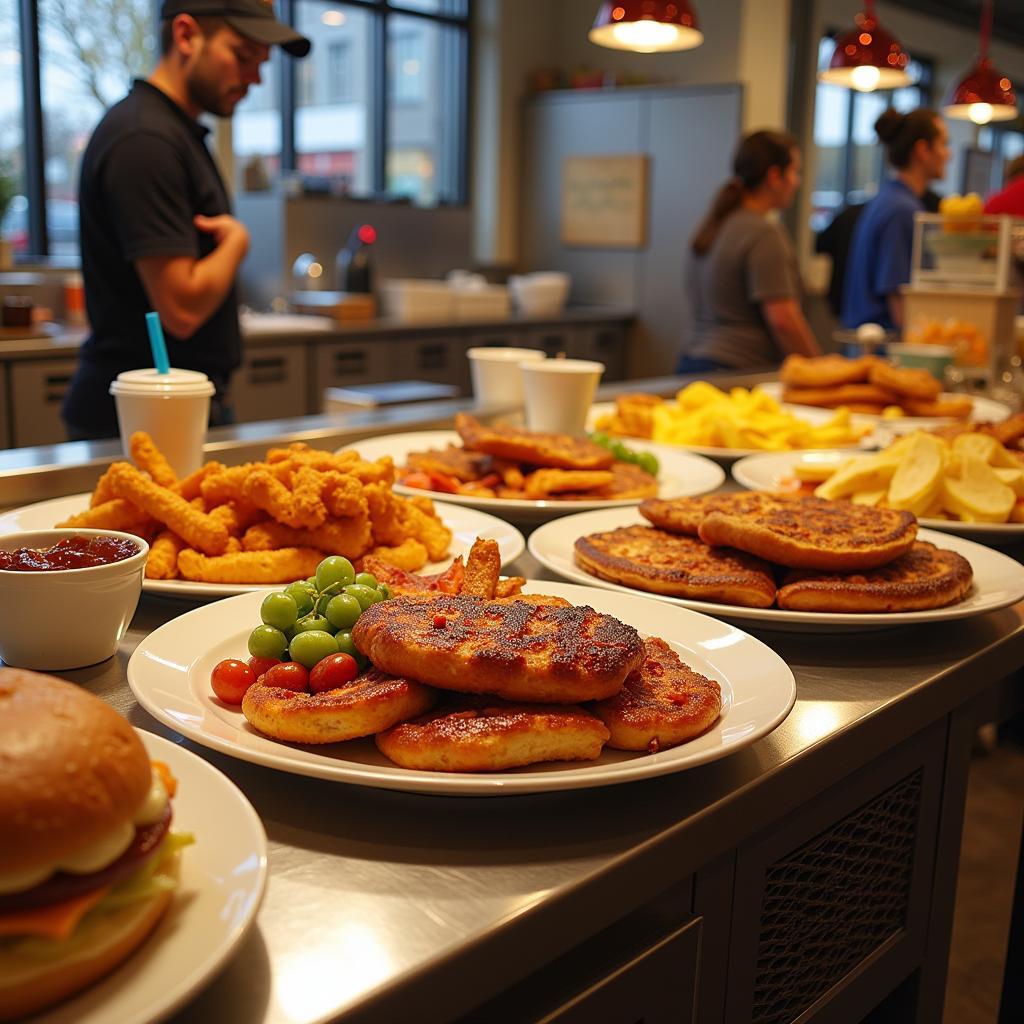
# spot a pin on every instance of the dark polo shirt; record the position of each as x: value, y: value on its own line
x: 145, y: 174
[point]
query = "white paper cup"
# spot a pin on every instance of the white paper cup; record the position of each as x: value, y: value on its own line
x: 495, y: 374
x: 558, y: 393
x: 173, y: 408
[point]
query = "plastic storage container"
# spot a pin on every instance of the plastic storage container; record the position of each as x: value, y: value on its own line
x: 416, y: 301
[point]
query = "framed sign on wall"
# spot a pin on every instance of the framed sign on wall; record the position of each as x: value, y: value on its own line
x: 604, y: 201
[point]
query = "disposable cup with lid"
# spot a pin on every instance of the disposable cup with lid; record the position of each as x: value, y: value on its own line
x: 173, y: 408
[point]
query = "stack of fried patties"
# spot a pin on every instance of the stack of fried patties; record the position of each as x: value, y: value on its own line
x: 460, y: 683
x: 796, y: 552
x: 867, y: 385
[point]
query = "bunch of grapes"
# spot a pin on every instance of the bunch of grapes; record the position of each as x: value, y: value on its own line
x: 305, y: 639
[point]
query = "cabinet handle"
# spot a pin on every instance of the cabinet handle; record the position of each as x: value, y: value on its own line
x: 432, y: 357
x: 55, y: 385
x: 268, y: 371
x: 349, y: 362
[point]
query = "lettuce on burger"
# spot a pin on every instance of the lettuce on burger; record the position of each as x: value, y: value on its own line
x: 87, y: 859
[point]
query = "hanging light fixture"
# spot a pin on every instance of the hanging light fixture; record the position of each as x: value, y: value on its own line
x: 983, y: 94
x: 867, y: 57
x: 646, y: 26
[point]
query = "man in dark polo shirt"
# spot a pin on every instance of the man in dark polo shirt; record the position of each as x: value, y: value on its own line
x: 155, y: 219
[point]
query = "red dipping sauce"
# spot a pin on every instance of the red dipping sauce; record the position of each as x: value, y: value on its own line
x: 69, y: 553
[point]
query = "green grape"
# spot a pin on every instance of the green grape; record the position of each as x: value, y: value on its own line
x: 342, y: 611
x: 311, y: 580
x: 267, y: 642
x: 620, y: 451
x: 303, y: 595
x: 385, y: 591
x: 279, y: 610
x: 364, y: 595
x: 347, y: 646
x: 334, y: 569
x: 600, y: 437
x: 312, y: 621
x: 648, y: 463
x: 312, y: 646
x: 366, y: 579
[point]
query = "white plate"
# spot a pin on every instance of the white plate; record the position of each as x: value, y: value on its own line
x: 169, y: 673
x: 773, y: 471
x: 998, y: 581
x: 222, y: 880
x: 466, y: 525
x: 682, y: 475
x: 815, y: 417
x: 985, y: 410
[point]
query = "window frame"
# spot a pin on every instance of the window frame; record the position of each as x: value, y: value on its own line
x: 453, y: 185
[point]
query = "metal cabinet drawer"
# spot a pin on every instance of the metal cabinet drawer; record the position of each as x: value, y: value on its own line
x: 656, y: 987
x: 606, y: 344
x: 553, y: 341
x: 438, y: 359
x: 354, y: 362
x: 271, y: 383
x: 37, y: 391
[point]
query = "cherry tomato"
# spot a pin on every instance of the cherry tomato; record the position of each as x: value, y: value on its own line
x: 289, y: 675
x: 261, y: 665
x: 333, y: 671
x: 230, y: 679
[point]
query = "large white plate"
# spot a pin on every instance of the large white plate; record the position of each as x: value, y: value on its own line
x: 725, y: 456
x: 985, y: 410
x: 466, y: 525
x: 998, y: 580
x: 773, y: 471
x: 169, y: 673
x: 222, y: 880
x: 681, y: 475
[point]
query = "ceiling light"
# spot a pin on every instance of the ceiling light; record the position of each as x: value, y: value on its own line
x: 867, y: 57
x: 333, y: 18
x: 646, y: 26
x: 984, y: 94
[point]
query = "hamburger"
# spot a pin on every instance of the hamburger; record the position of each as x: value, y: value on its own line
x: 88, y: 863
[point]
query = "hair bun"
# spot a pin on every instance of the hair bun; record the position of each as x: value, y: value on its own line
x: 888, y: 125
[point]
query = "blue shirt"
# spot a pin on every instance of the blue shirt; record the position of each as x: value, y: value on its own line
x: 880, y: 255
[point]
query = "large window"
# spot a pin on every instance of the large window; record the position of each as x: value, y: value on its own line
x: 377, y: 110
x: 850, y: 162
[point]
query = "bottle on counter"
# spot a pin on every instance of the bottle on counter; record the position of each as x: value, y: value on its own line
x: 74, y: 300
x: 354, y: 265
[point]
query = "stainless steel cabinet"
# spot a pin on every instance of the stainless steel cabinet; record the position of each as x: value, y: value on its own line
x: 435, y: 358
x: 351, y: 362
x: 271, y: 383
x: 37, y: 390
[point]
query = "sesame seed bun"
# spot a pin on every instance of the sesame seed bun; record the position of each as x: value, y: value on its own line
x: 71, y: 770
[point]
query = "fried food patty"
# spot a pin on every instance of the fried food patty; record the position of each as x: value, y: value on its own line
x: 559, y: 451
x: 663, y: 703
x: 451, y: 461
x: 843, y: 394
x: 956, y: 407
x: 925, y: 577
x: 795, y: 530
x: 370, y: 703
x: 825, y: 371
x: 803, y: 532
x: 665, y: 563
x: 514, y: 649
x: 904, y: 380
x: 628, y: 481
x: 485, y: 735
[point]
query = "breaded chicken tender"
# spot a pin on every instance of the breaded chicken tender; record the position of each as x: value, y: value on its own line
x: 162, y: 563
x: 285, y: 565
x: 410, y: 555
x: 348, y: 537
x: 115, y: 514
x: 151, y: 460
x: 190, y: 486
x: 265, y: 491
x: 542, y: 482
x: 197, y: 528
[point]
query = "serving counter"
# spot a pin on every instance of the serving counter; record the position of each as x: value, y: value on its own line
x: 809, y: 876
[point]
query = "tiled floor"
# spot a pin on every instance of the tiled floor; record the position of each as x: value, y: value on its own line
x: 988, y: 862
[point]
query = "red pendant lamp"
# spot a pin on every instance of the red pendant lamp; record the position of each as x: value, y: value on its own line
x: 646, y: 26
x: 983, y: 94
x: 867, y: 57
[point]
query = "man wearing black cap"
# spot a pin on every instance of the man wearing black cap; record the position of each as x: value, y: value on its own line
x: 155, y: 220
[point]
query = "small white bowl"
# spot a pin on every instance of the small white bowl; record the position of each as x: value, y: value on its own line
x: 58, y: 619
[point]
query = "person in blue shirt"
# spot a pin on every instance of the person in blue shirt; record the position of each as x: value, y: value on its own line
x: 917, y: 146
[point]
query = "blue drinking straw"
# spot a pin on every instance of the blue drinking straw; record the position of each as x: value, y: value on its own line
x: 157, y: 343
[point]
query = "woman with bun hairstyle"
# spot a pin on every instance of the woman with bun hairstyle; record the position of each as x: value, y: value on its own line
x: 917, y: 146
x: 744, y: 278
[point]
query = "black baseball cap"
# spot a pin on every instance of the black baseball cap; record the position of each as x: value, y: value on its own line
x: 253, y: 19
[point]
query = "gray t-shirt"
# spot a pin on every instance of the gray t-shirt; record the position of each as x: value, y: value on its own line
x: 750, y: 262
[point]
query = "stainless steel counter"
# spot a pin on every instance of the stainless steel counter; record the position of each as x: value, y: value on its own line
x: 384, y: 906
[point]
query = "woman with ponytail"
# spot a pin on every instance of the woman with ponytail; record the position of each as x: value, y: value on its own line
x: 917, y: 146
x: 746, y: 286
